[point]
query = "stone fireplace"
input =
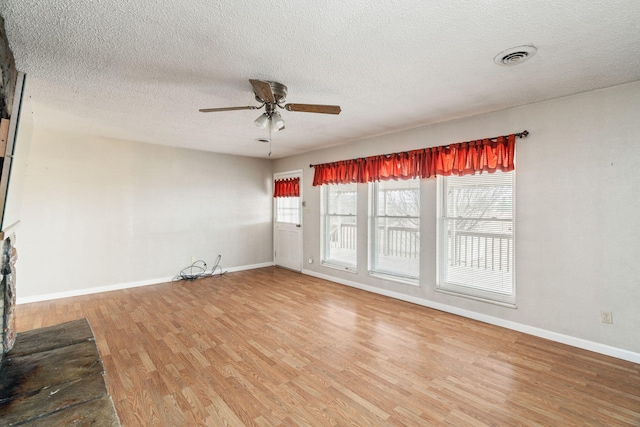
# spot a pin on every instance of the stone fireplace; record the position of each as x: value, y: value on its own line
x: 8, y: 80
x: 8, y: 292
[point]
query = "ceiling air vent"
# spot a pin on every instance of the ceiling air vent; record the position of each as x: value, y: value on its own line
x: 515, y: 55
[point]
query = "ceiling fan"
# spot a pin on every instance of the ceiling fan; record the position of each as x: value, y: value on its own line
x: 272, y: 95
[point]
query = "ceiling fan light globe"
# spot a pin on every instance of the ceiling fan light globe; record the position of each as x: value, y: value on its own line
x: 262, y: 121
x: 277, y: 122
x: 273, y: 127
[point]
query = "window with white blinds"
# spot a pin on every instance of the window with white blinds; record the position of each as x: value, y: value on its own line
x: 394, y: 236
x: 339, y: 223
x: 476, y: 235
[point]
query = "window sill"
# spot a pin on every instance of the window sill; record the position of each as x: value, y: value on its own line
x: 477, y: 298
x: 348, y: 269
x: 397, y: 279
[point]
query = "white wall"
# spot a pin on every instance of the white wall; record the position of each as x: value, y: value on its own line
x: 577, y: 207
x: 98, y: 212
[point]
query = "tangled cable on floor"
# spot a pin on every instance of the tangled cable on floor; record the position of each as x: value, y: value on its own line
x: 198, y: 270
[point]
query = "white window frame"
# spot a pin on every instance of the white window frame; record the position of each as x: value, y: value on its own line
x: 374, y: 244
x: 477, y: 288
x: 327, y: 255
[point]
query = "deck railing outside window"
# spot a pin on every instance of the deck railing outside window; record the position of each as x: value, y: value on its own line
x: 403, y: 242
x: 467, y: 249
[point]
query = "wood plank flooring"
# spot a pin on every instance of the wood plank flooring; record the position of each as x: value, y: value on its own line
x: 270, y: 347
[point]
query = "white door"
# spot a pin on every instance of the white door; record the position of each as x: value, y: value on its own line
x: 287, y: 228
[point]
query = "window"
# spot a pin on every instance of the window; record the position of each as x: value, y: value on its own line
x: 288, y: 209
x: 476, y: 235
x: 339, y: 225
x: 394, y: 237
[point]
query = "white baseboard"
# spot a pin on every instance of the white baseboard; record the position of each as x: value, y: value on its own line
x: 249, y: 267
x: 96, y: 290
x: 531, y: 330
x: 88, y: 291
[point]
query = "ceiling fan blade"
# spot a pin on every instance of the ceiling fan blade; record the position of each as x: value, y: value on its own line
x: 263, y: 90
x: 313, y: 108
x: 213, y: 110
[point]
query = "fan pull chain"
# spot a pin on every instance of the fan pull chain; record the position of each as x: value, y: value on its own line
x: 269, y: 137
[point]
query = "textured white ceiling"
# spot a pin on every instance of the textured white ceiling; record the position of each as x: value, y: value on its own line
x: 141, y: 70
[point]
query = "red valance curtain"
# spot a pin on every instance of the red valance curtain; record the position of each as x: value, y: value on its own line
x: 465, y: 158
x: 286, y: 187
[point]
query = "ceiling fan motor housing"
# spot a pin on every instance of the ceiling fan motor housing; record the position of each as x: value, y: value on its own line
x: 279, y: 92
x: 272, y: 95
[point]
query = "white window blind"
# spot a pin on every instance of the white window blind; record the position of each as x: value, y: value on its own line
x: 394, y: 236
x: 339, y: 234
x: 476, y: 235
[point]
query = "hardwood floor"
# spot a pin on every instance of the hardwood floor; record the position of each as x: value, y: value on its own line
x: 270, y: 347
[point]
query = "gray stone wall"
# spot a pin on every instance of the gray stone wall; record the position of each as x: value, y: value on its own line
x: 9, y: 257
x: 2, y: 317
x: 9, y: 74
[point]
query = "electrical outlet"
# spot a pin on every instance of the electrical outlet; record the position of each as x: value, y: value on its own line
x: 310, y: 260
x: 193, y: 259
x: 606, y: 316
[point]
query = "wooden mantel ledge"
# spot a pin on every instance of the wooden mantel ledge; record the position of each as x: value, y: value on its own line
x: 9, y: 230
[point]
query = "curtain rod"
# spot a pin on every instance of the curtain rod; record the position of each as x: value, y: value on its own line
x: 522, y: 134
